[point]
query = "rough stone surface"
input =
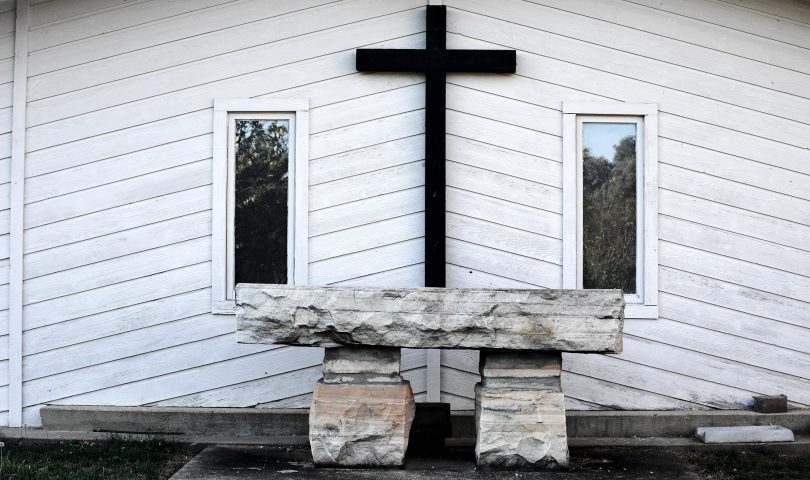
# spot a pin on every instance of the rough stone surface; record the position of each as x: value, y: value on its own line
x: 520, y: 429
x: 360, y: 425
x: 361, y: 365
x: 560, y: 320
x: 527, y: 370
x: 744, y: 434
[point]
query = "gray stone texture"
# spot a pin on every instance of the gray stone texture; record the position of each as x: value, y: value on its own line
x: 361, y: 365
x: 559, y: 320
x: 528, y: 370
x: 360, y: 425
x: 744, y: 434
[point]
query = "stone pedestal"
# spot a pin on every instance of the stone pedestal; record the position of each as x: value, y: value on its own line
x: 519, y: 411
x: 362, y: 410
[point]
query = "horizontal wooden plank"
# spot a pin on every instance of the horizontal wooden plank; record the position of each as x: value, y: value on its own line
x: 130, y: 165
x: 366, y: 159
x: 121, y: 193
x: 512, y: 189
x: 678, y: 27
x: 733, y: 219
x: 116, y: 347
x: 502, y: 212
x: 117, y: 244
x: 366, y: 237
x: 92, y: 382
x: 734, y: 322
x: 616, y: 396
x: 362, y: 212
x: 737, y: 297
x: 504, y: 135
x: 734, y: 245
x: 119, y: 295
x: 510, y: 162
x: 109, y: 272
x: 720, y: 13
x: 45, y: 11
x: 367, y: 262
x: 368, y: 185
x: 737, y: 169
x: 139, y: 20
x: 368, y: 133
x: 523, y: 269
x: 734, y: 194
x: 118, y: 219
x: 409, y: 276
x: 368, y: 107
x: 507, y: 239
x: 118, y: 142
x: 263, y: 389
x: 503, y: 109
x: 715, y: 344
x: 228, y: 66
x: 633, y: 54
x: 758, y: 277
x: 463, y: 277
x: 176, y: 306
x: 681, y: 387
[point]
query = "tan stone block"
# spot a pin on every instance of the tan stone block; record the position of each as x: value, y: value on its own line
x: 520, y: 429
x: 360, y: 424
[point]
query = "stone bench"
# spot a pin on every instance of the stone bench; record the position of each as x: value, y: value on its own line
x: 362, y: 409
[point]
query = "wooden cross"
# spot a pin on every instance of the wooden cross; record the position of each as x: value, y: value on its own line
x: 435, y: 61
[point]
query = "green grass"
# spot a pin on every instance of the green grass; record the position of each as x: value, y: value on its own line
x: 108, y: 460
x: 746, y: 464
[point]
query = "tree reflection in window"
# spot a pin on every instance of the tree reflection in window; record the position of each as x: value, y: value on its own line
x: 609, y: 206
x: 260, y: 218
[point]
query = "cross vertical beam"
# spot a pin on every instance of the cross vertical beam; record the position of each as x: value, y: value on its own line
x: 435, y: 61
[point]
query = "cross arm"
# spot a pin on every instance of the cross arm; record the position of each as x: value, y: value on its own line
x: 413, y: 60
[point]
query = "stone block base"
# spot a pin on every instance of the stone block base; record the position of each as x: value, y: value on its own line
x: 519, y: 428
x: 360, y: 424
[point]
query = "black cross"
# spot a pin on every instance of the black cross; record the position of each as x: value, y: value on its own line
x: 435, y: 61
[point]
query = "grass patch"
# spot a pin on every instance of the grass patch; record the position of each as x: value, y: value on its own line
x: 114, y: 459
x: 748, y: 464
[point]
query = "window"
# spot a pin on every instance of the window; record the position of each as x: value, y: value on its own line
x: 259, y: 220
x: 610, y: 201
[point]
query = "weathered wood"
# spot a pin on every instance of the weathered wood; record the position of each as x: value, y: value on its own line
x: 563, y: 320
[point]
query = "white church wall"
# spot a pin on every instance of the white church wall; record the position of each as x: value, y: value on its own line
x: 7, y: 25
x: 117, y: 261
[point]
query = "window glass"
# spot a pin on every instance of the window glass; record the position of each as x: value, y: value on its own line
x: 261, y: 195
x: 609, y: 205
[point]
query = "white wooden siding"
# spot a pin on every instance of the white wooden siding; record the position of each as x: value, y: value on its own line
x: 117, y: 272
x: 7, y: 32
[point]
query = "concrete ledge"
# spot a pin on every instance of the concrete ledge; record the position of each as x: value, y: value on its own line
x: 295, y: 422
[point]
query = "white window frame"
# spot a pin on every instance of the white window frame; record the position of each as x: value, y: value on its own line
x: 226, y: 112
x: 644, y: 303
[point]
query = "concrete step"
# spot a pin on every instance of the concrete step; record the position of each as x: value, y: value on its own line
x: 295, y: 422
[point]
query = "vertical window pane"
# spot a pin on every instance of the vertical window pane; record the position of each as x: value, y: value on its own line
x: 260, y: 219
x: 609, y: 205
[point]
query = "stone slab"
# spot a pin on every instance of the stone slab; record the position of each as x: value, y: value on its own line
x: 361, y: 365
x: 744, y: 434
x: 509, y: 319
x: 520, y: 429
x: 529, y: 370
x: 360, y: 425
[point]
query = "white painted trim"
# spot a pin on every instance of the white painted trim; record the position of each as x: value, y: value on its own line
x: 297, y: 112
x: 644, y: 305
x: 16, y: 226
